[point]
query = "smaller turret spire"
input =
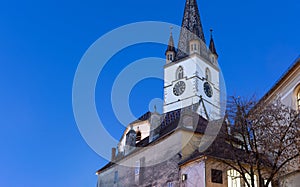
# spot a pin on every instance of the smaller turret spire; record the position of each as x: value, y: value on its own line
x: 170, y: 52
x: 212, y: 47
x: 171, y: 42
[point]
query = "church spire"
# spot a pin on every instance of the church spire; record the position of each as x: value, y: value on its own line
x: 212, y: 47
x: 190, y: 22
x: 171, y: 43
x: 170, y: 52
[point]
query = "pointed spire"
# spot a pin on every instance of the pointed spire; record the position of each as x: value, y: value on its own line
x: 171, y: 42
x: 191, y: 22
x: 212, y: 47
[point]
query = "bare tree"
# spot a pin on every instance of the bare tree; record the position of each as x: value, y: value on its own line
x: 264, y: 139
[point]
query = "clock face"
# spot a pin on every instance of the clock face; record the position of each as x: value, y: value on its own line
x: 179, y: 88
x: 208, y: 89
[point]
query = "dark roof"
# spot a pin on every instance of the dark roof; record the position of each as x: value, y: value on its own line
x: 212, y: 46
x: 170, y: 123
x: 170, y: 117
x: 171, y: 44
x: 223, y: 150
x: 144, y: 117
x: 191, y: 24
x: 144, y: 142
x: 106, y: 166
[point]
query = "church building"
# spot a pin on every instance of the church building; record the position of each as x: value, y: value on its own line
x: 162, y: 150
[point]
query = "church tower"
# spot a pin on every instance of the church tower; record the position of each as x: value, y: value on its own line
x: 191, y: 73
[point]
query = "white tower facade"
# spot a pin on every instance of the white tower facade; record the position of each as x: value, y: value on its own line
x: 193, y: 76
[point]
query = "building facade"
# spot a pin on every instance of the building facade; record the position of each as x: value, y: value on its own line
x: 287, y: 90
x: 162, y: 150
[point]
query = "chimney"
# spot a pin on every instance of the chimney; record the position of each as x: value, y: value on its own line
x: 113, y: 154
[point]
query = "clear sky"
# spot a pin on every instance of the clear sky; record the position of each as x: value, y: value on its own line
x: 42, y: 42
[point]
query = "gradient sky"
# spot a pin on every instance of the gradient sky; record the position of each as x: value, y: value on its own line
x: 42, y: 42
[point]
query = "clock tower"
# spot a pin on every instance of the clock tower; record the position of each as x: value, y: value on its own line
x: 191, y: 73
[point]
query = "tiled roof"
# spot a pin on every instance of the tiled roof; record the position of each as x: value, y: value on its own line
x: 191, y: 24
x: 169, y: 124
x: 223, y: 150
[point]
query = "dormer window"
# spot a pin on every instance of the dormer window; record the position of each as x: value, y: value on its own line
x: 138, y: 135
x: 179, y: 73
x: 194, y: 46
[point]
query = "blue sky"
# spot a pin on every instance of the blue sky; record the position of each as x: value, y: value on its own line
x: 42, y: 42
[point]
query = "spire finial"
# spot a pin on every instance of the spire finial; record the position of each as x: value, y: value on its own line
x: 212, y: 47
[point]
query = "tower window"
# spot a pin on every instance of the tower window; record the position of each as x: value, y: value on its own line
x: 179, y: 73
x: 170, y: 57
x: 207, y: 74
x: 194, y: 47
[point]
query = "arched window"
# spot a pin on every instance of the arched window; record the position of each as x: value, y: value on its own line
x: 248, y: 177
x: 233, y: 178
x: 138, y: 136
x: 179, y: 73
x: 298, y: 99
x: 170, y: 57
x: 207, y: 74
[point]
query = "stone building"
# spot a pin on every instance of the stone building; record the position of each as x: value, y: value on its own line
x: 287, y: 90
x: 180, y: 147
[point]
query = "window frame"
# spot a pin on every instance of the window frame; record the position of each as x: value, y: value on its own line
x: 208, y: 74
x: 179, y: 73
x: 233, y: 178
x: 215, y: 174
x: 170, y: 184
x: 298, y: 99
